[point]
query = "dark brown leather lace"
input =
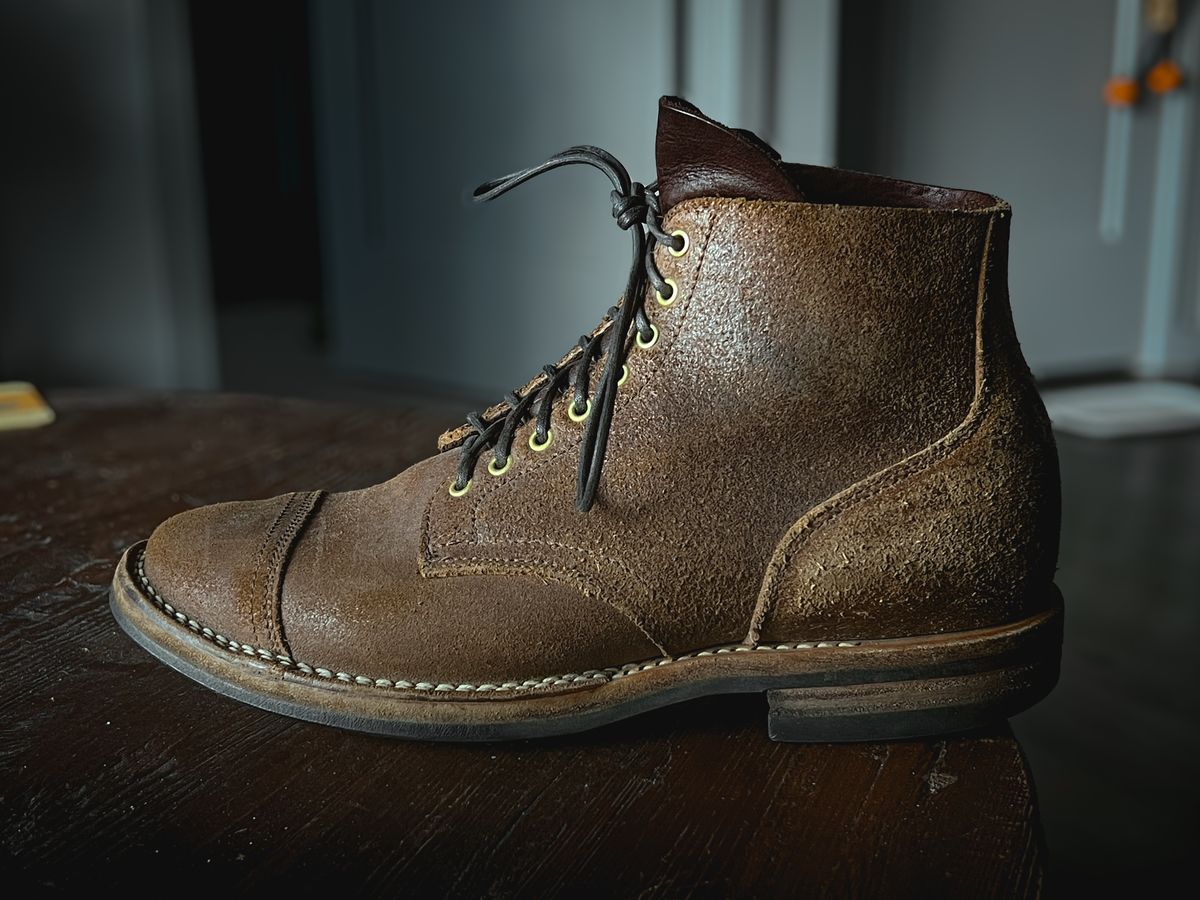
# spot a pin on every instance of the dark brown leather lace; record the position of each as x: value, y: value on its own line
x: 635, y: 208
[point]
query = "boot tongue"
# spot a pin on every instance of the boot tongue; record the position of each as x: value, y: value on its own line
x: 698, y: 157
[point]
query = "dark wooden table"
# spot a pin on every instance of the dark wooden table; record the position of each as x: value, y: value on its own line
x: 118, y: 771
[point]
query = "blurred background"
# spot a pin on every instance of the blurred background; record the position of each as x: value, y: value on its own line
x: 272, y: 196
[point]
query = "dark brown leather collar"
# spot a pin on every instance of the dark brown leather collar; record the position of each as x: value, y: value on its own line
x: 698, y: 157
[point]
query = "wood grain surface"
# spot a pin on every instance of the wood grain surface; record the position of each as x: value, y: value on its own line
x: 118, y: 771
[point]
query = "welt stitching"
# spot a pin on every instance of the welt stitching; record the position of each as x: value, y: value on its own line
x: 570, y: 679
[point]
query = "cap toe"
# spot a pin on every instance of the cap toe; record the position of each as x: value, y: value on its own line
x: 211, y: 563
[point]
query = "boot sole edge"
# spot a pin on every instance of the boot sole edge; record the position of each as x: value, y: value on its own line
x: 839, y: 692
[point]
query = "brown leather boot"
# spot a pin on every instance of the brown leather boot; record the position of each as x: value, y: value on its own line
x: 806, y: 459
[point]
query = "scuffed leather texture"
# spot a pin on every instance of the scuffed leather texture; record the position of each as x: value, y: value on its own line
x: 224, y: 564
x: 354, y: 600
x: 698, y: 157
x: 812, y: 346
x: 834, y: 436
x: 963, y: 535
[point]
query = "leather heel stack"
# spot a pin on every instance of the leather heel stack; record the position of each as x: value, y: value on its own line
x: 890, y: 710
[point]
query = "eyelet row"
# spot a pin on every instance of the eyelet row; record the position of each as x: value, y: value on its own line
x: 644, y: 344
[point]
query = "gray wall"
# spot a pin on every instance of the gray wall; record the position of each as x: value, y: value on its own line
x: 103, y: 267
x: 414, y: 110
x: 1006, y: 98
x: 103, y: 263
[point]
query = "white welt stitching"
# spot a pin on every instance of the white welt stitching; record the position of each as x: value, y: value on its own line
x: 590, y: 676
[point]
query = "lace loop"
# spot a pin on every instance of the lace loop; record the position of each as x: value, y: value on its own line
x: 630, y: 209
x: 635, y: 208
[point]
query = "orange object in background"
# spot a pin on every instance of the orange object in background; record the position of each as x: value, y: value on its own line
x: 1164, y: 76
x: 1121, y: 90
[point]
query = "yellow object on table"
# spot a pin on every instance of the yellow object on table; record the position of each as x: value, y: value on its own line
x: 21, y: 406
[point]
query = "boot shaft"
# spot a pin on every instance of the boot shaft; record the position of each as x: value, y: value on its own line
x: 811, y: 348
x: 819, y: 332
x: 835, y: 333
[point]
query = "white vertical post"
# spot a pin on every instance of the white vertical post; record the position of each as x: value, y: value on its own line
x: 766, y: 65
x: 1115, y: 184
x: 1167, y: 221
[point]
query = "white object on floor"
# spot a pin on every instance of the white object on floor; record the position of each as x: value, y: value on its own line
x: 1124, y: 409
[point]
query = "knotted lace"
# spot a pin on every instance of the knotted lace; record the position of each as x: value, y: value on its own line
x: 635, y: 208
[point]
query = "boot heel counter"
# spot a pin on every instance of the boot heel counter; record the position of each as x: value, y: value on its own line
x: 962, y: 535
x: 967, y: 542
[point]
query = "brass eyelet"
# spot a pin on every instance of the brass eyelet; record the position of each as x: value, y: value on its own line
x: 624, y: 375
x: 687, y: 242
x: 579, y: 417
x: 646, y: 345
x: 671, y: 297
x: 459, y: 491
x: 535, y: 446
x: 492, y: 470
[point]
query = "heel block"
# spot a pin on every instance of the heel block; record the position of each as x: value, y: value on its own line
x: 891, y: 710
